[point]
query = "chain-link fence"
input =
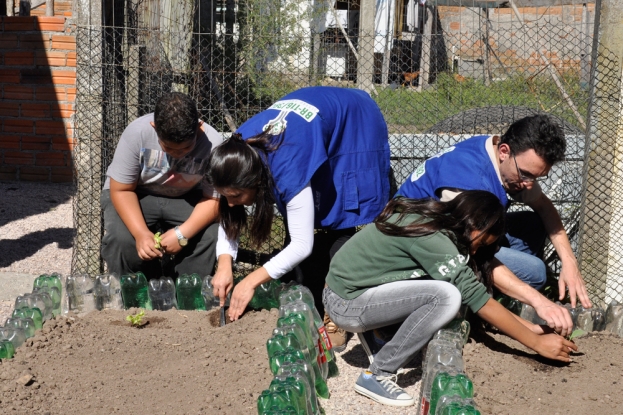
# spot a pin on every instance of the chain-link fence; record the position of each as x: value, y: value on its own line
x: 439, y: 73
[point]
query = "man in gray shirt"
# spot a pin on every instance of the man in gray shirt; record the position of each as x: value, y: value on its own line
x: 156, y: 183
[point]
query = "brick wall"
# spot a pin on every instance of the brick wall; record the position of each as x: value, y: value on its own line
x: 558, y: 31
x: 38, y: 87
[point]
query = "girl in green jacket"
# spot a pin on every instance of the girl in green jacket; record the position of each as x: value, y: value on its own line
x: 415, y: 266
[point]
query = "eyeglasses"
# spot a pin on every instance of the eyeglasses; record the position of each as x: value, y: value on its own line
x: 523, y: 178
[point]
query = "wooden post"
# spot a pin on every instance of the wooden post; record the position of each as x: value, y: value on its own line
x: 427, y: 38
x: 365, y: 61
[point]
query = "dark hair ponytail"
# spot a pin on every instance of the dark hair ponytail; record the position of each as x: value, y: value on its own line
x: 241, y: 164
x: 472, y: 210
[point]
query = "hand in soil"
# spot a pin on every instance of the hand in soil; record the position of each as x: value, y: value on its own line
x: 555, y: 347
x: 240, y: 298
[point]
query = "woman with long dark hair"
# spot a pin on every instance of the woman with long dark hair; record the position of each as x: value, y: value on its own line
x: 321, y: 155
x: 414, y: 267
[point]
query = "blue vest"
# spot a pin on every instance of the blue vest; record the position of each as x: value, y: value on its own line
x: 465, y: 166
x: 335, y: 139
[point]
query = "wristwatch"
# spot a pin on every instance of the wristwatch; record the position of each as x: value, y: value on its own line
x: 180, y: 238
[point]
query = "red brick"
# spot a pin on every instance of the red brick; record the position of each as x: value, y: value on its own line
x: 9, y: 109
x: 10, y: 141
x: 34, y: 174
x: 62, y: 143
x: 9, y: 76
x: 16, y: 125
x: 63, y: 110
x: 8, y: 173
x: 50, y: 127
x: 71, y: 94
x: 63, y: 42
x: 8, y: 41
x: 455, y: 26
x: 64, y: 77
x: 18, y: 157
x: 36, y: 110
x: 71, y: 59
x: 36, y: 146
x: 62, y: 174
x: 18, y: 92
x: 36, y: 76
x: 50, y: 159
x: 51, y: 58
x: 19, y: 58
x: 18, y: 23
x: 35, y: 41
x: 44, y: 93
x: 56, y: 24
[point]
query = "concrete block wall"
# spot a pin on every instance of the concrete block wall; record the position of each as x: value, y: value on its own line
x: 557, y: 31
x: 38, y: 91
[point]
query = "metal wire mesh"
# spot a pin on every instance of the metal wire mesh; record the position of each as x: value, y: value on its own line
x: 438, y: 73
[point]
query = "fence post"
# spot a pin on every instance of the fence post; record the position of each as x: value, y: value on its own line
x: 365, y: 46
x: 601, y: 242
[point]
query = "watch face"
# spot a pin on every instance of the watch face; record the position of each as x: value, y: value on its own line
x: 183, y: 241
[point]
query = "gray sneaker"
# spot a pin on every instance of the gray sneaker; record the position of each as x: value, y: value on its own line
x: 383, y: 389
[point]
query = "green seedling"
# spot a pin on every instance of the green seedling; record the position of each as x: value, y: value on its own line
x: 136, y: 319
x: 576, y: 333
x: 158, y: 240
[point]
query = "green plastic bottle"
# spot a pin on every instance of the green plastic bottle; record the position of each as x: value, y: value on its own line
x: 450, y: 383
x: 188, y: 290
x: 275, y: 402
x: 54, y: 288
x: 302, y: 293
x: 265, y: 296
x: 293, y: 390
x: 32, y: 313
x: 6, y: 349
x: 135, y: 291
x: 455, y: 405
x: 300, y: 370
x: 291, y: 355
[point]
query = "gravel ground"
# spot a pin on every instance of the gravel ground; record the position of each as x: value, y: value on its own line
x: 36, y: 230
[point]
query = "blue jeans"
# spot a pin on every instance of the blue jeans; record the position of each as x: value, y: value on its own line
x: 522, y: 246
x: 423, y: 307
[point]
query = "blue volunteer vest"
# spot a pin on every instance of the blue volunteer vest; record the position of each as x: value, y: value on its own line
x: 336, y: 139
x: 464, y: 166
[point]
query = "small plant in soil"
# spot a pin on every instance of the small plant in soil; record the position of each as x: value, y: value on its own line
x: 576, y: 333
x: 136, y: 319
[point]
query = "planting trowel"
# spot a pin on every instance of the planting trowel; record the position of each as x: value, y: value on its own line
x: 222, y: 316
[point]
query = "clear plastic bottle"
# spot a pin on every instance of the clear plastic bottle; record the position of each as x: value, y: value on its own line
x: 80, y: 291
x: 43, y: 302
x: 55, y: 295
x: 207, y: 291
x: 108, y: 292
x: 162, y: 293
x: 16, y: 335
x: 25, y: 323
x: 528, y: 313
x: 439, y: 353
x: 614, y: 318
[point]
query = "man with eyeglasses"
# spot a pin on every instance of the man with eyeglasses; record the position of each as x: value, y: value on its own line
x: 156, y: 183
x: 511, y: 165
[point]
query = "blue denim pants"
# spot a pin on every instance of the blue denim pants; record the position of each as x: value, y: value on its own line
x: 423, y: 306
x: 522, y: 246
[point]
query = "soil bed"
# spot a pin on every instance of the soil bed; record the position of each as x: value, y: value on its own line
x: 179, y: 363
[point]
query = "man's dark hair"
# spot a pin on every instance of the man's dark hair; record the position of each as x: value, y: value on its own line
x: 540, y: 133
x: 176, y: 118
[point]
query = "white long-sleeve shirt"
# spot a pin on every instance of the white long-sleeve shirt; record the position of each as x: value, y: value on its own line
x: 300, y: 220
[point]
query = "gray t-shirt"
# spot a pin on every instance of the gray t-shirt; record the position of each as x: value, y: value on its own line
x: 139, y: 157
